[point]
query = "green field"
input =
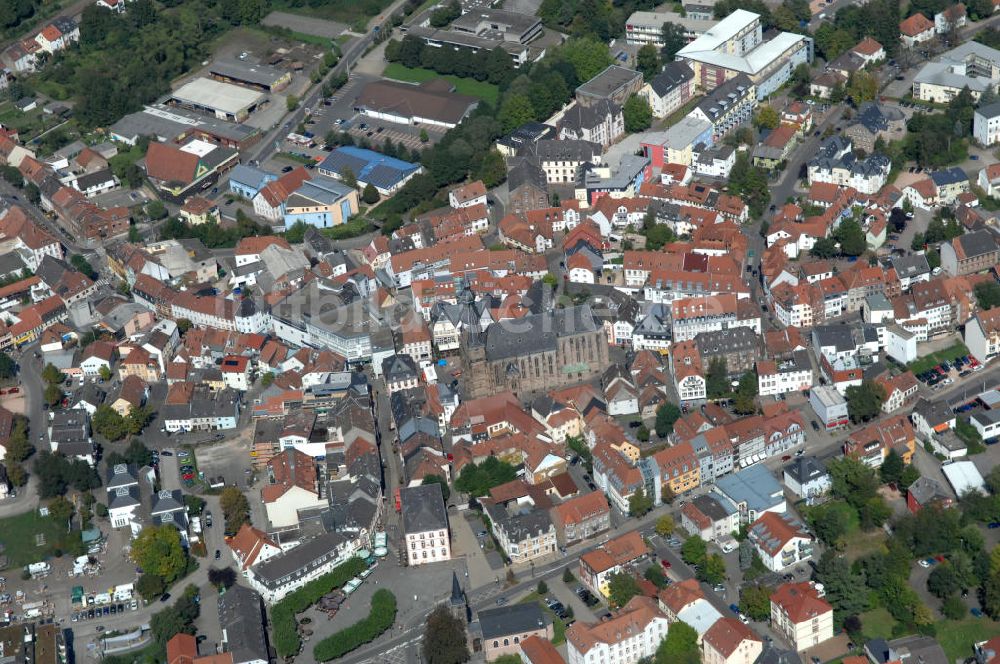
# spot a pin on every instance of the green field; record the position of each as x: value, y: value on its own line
x: 928, y: 361
x: 957, y: 637
x: 20, y: 542
x: 345, y: 11
x: 877, y: 623
x: 466, y: 86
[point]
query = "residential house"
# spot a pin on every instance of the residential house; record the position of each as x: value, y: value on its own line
x: 581, y: 517
x: 806, y: 477
x: 915, y: 30
x: 729, y: 641
x: 780, y: 540
x: 631, y: 634
x: 616, y: 555
x: 801, y: 615
x: 711, y: 517
x: 670, y: 89
x: 502, y: 629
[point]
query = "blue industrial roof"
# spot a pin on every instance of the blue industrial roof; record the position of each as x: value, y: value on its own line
x: 755, y: 486
x: 368, y: 166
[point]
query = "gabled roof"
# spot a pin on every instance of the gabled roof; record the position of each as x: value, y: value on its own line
x: 916, y: 25
x: 168, y: 163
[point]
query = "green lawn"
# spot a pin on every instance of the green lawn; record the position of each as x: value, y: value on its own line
x: 681, y: 112
x: 957, y: 637
x: 466, y: 86
x: 20, y: 542
x: 928, y: 361
x: 877, y: 623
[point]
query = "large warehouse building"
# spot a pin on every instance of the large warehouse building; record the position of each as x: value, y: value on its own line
x: 431, y: 102
x: 251, y: 75
x: 223, y: 100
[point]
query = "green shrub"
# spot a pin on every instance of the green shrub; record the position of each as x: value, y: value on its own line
x: 286, y: 633
x: 380, y: 618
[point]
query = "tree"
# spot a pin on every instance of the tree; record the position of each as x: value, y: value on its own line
x: 874, y: 513
x: 655, y: 575
x: 221, y: 578
x: 639, y: 504
x: 831, y: 522
x: 138, y: 454
x: 851, y: 237
x: 674, y: 39
x: 647, y: 60
x: 667, y: 415
x: 445, y: 14
x: 157, y: 550
x: 717, y: 378
x: 291, y: 103
x: 621, y: 588
x: 109, y: 423
x: 638, y: 114
x: 15, y: 473
x: 864, y: 402
x: 52, y: 395
x: 862, y: 86
x: 515, y: 111
x: 477, y: 479
x: 755, y: 601
x: 104, y: 372
x: 235, y: 509
x: 953, y: 608
x: 444, y: 638
x: 567, y: 576
x: 81, y: 264
x: 713, y: 570
x: 156, y: 210
x: 543, y: 587
x: 665, y: 525
x: 746, y: 394
x: 891, y: 470
x: 437, y: 479
x: 694, y: 550
x: 8, y: 367
x: 987, y: 294
x: 680, y: 646
x: 766, y: 118
x: 845, y: 589
x: 150, y: 586
x: 424, y: 138
x: 852, y: 480
x: 349, y: 178
x: 52, y: 375
x: 824, y: 248
x: 942, y: 581
x: 61, y: 511
x: 137, y: 419
x: 370, y: 194
x: 642, y: 433
x: 183, y: 325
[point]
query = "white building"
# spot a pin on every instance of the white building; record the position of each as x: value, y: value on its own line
x: 282, y: 574
x: 781, y: 378
x: 780, y: 540
x: 986, y: 124
x: 425, y: 525
x: 806, y: 477
x: 982, y: 335
x: 632, y: 633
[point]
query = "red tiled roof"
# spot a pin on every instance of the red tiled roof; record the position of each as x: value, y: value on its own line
x: 169, y: 163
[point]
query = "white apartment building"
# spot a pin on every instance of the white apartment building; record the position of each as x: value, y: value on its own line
x: 781, y: 378
x: 986, y: 124
x: 799, y: 612
x: 632, y: 633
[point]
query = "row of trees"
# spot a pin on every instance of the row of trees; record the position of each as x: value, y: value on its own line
x: 380, y: 618
x: 211, y: 234
x: 285, y: 632
x: 19, y: 448
x: 477, y: 479
x: 710, y: 568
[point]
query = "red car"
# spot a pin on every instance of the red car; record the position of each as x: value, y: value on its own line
x: 786, y: 457
x: 187, y: 476
x: 939, y: 558
x: 665, y: 563
x: 14, y: 390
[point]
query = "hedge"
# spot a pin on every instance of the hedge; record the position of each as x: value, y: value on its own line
x: 286, y: 633
x: 380, y: 618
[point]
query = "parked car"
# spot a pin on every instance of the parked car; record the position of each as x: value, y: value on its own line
x: 665, y: 563
x: 994, y: 524
x: 976, y: 612
x: 734, y: 608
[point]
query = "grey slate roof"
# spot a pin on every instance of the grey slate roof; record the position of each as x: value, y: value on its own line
x: 876, y: 117
x: 673, y: 74
x: 805, y: 469
x: 536, y: 333
x: 301, y: 560
x: 423, y: 509
x: 948, y: 176
x: 587, y: 117
x: 735, y: 339
x: 724, y: 97
x: 553, y: 150
x: 910, y: 266
x: 977, y: 243
x: 511, y: 619
x: 241, y: 616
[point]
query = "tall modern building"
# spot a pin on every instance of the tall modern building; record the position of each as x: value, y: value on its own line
x: 736, y: 46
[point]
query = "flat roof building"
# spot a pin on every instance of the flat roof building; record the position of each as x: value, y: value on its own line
x: 615, y: 84
x: 736, y: 45
x: 499, y: 24
x: 173, y: 124
x: 252, y: 75
x: 223, y: 100
x: 647, y: 27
